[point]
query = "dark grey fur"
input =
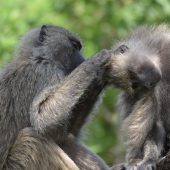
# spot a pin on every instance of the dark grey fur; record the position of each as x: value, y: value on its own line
x: 45, y: 100
x: 146, y: 113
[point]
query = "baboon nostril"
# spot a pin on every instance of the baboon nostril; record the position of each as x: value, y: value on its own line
x: 150, y: 85
x: 152, y: 79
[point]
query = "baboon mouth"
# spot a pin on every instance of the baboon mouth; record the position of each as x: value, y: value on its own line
x: 134, y: 81
x: 138, y: 87
x: 135, y: 85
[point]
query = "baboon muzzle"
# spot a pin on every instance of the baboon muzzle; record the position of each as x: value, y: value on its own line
x: 146, y: 77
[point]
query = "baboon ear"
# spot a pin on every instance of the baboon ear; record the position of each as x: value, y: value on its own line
x: 43, y: 33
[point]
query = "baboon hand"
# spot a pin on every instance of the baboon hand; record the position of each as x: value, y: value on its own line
x: 141, y: 165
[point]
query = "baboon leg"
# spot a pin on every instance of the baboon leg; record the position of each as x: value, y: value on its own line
x: 33, y: 152
x: 83, y: 157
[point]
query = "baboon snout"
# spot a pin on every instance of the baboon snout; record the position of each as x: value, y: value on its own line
x: 152, y: 80
x: 147, y: 76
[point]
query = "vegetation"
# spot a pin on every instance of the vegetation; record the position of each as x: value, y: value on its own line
x: 99, y: 23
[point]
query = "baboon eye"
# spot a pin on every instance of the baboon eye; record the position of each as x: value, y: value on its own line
x: 76, y: 43
x: 122, y: 49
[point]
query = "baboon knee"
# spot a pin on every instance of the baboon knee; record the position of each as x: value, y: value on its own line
x: 32, y: 151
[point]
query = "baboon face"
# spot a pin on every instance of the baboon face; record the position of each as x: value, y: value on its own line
x: 144, y: 73
x: 64, y: 45
x: 53, y: 44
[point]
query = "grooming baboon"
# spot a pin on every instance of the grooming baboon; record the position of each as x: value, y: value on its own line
x: 45, y: 100
x: 146, y: 112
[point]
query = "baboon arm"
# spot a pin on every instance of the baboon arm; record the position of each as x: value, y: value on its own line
x: 54, y: 108
x: 83, y: 108
x: 137, y: 126
x: 154, y: 143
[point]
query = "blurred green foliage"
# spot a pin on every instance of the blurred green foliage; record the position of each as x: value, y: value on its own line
x: 99, y: 23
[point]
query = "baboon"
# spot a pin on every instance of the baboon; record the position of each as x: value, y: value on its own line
x: 46, y: 95
x: 145, y: 113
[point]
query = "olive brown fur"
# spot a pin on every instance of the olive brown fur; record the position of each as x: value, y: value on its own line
x: 46, y: 95
x: 145, y: 113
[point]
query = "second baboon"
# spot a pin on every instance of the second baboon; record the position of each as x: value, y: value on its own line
x: 46, y: 95
x: 146, y: 112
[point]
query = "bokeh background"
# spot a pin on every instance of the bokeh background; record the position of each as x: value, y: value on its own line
x: 99, y: 23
